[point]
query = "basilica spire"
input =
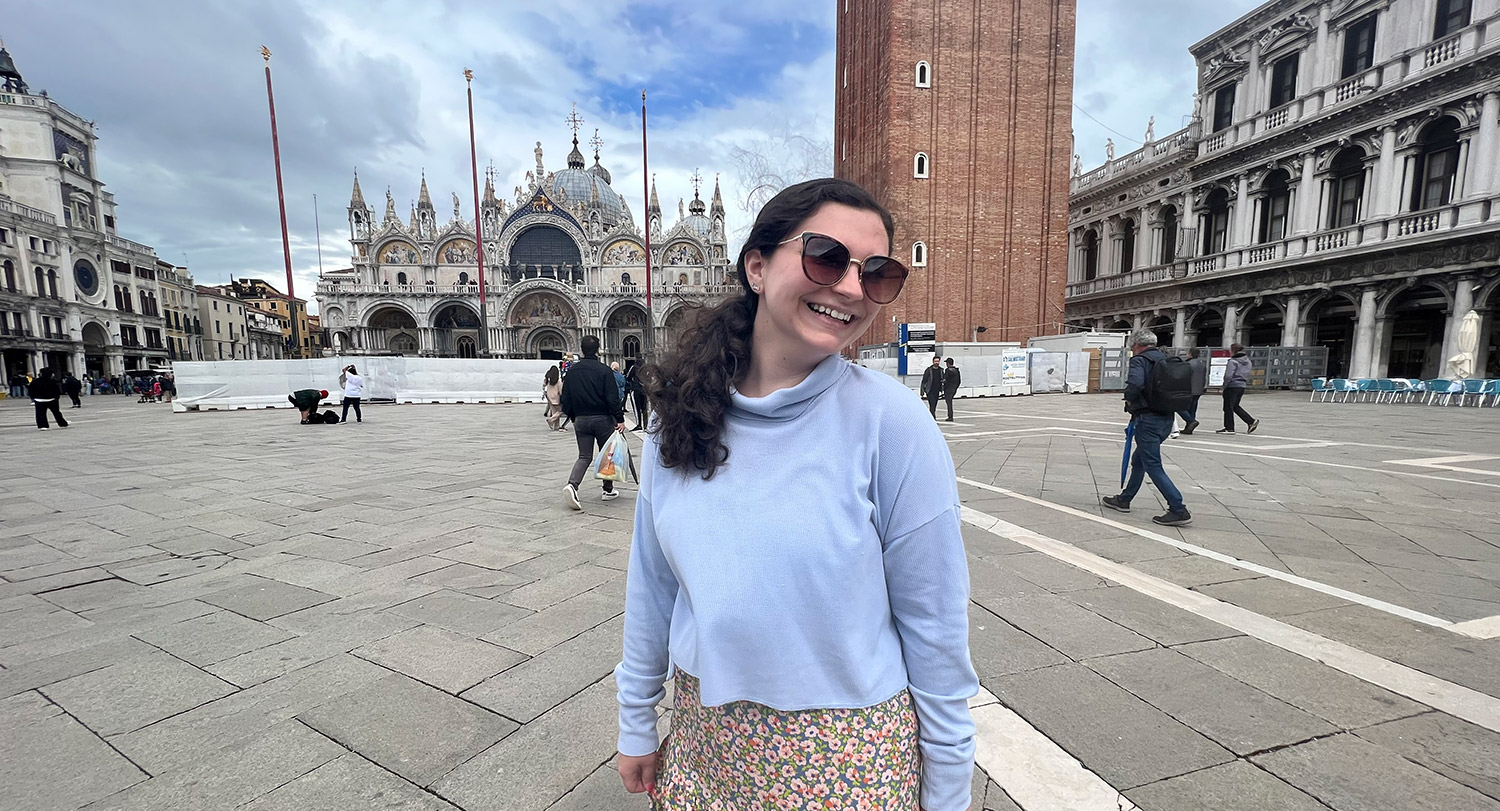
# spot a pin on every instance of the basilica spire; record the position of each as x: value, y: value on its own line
x: 424, y: 200
x: 696, y: 207
x: 655, y: 207
x: 717, y: 206
x: 357, y: 198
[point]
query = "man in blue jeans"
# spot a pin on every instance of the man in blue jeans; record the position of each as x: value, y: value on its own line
x: 1151, y: 429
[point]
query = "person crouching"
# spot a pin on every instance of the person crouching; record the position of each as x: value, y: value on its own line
x: 307, y: 402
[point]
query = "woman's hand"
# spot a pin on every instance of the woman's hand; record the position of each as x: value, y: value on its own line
x: 639, y: 773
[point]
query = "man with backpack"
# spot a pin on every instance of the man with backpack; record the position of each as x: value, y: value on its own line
x: 1157, y: 387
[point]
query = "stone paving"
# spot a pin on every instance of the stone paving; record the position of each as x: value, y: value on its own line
x: 229, y: 610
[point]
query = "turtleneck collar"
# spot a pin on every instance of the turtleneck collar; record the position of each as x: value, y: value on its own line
x: 786, y: 404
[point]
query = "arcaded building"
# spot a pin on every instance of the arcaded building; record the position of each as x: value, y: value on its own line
x: 1336, y: 187
x: 957, y: 116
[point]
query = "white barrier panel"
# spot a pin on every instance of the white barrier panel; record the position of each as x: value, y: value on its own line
x: 1059, y: 372
x: 232, y: 384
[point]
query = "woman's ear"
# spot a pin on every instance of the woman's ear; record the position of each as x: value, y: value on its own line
x: 755, y: 270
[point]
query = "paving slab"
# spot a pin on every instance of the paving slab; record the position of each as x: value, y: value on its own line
x: 1116, y: 735
x: 1236, y: 786
x: 182, y: 739
x: 1351, y: 774
x: 996, y: 647
x: 553, y: 589
x: 486, y: 554
x: 464, y: 613
x: 603, y: 790
x: 51, y: 762
x: 414, y: 730
x: 213, y: 637
x: 474, y: 580
x: 1234, y: 715
x: 334, y: 639
x: 1332, y: 695
x: 553, y: 626
x: 232, y: 776
x: 1194, y: 571
x: 531, y: 689
x: 1149, y: 617
x: 129, y: 695
x: 1067, y: 627
x: 1271, y: 597
x: 348, y: 782
x: 1452, y: 747
x: 1050, y: 573
x: 261, y: 598
x: 444, y: 659
x: 542, y: 762
x: 1470, y: 662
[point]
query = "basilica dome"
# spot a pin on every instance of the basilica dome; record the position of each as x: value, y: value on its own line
x: 587, y: 186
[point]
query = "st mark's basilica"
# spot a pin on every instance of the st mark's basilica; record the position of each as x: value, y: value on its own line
x: 563, y: 259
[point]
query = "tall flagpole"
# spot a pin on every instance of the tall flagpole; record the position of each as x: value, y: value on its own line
x: 646, y: 208
x: 318, y: 232
x: 484, y: 321
x: 286, y: 245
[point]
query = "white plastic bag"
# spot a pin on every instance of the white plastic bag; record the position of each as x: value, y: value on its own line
x: 614, y: 459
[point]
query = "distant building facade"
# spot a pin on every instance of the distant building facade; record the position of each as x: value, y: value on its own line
x: 563, y: 259
x: 226, y: 327
x: 1337, y: 186
x: 74, y: 295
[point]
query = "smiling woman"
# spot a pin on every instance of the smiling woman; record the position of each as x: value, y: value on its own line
x: 800, y: 569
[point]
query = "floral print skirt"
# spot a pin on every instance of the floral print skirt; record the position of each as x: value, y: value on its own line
x: 744, y: 756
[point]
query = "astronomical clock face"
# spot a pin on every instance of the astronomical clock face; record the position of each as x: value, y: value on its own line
x: 86, y: 277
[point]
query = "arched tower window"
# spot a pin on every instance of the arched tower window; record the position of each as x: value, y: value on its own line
x: 1216, y: 234
x: 924, y: 74
x: 1348, y: 170
x: 1169, y: 235
x: 919, y: 254
x: 1437, y: 165
x: 463, y: 278
x: 1127, y: 246
x: 919, y: 167
x: 1090, y: 255
x: 1275, y: 206
x: 400, y: 278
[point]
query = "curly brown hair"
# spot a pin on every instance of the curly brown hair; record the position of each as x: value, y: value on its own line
x: 689, y: 389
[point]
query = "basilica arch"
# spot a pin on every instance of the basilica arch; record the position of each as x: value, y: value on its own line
x: 455, y: 329
x: 392, y: 328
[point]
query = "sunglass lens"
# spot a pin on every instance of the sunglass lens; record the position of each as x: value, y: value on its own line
x: 824, y: 259
x: 883, y: 279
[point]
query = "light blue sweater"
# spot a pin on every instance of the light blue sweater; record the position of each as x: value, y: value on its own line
x: 821, y: 567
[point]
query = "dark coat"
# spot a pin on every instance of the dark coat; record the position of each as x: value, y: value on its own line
x: 44, y: 388
x: 951, y: 381
x: 1135, y: 381
x: 72, y: 385
x: 932, y: 382
x: 591, y: 390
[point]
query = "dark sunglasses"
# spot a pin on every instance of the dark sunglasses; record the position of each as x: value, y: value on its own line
x: 825, y: 260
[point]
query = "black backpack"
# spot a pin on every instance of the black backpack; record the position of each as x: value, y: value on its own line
x: 1169, y: 386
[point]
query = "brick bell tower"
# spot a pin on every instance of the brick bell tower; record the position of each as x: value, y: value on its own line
x: 957, y: 115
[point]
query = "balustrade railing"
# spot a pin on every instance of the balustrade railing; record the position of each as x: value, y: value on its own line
x: 1277, y: 118
x: 129, y: 244
x: 7, y: 204
x: 1329, y: 242
x: 1418, y: 223
x: 1440, y: 52
x: 1206, y: 265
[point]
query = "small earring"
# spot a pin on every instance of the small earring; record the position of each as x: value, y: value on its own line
x: 754, y: 289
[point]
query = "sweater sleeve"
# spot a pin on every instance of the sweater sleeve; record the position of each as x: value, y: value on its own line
x: 650, y: 593
x: 927, y: 577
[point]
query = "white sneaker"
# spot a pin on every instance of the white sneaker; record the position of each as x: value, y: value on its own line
x: 570, y: 494
x: 611, y: 495
x: 1175, y: 434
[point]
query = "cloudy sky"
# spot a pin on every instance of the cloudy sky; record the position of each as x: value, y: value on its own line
x: 178, y: 95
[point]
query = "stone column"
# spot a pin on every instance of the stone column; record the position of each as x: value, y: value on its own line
x: 1143, y: 241
x: 1364, y: 335
x: 1291, y: 326
x: 1387, y: 182
x: 1231, y: 324
x: 1380, y: 346
x: 1241, y: 226
x: 1179, y: 329
x: 1307, y: 196
x: 1482, y: 171
x: 1463, y: 302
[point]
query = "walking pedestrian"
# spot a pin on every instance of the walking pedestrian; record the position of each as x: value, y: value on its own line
x: 821, y: 604
x: 951, y: 380
x: 637, y: 392
x: 552, y: 392
x: 614, y: 366
x: 1189, y: 415
x: 592, y: 401
x: 1236, y: 379
x: 44, y: 393
x: 932, y: 384
x: 72, y: 387
x: 354, y: 389
x: 169, y: 386
x: 1153, y: 422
